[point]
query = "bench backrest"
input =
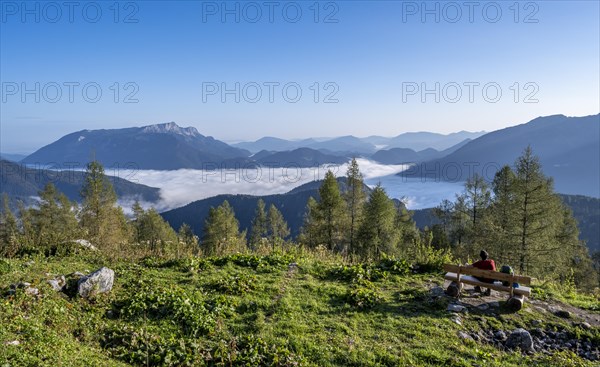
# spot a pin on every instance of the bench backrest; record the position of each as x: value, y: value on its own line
x: 488, y: 274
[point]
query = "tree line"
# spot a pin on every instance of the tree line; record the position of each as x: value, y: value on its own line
x: 520, y: 221
x: 517, y: 218
x: 55, y: 222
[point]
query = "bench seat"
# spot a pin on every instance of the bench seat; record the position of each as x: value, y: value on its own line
x: 497, y: 285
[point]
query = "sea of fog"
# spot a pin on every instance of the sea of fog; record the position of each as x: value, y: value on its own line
x: 180, y: 187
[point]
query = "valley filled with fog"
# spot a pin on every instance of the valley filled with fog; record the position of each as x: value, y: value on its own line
x: 180, y: 187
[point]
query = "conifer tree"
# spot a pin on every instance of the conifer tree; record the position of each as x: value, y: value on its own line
x: 187, y: 236
x: 152, y: 229
x: 309, y: 233
x: 54, y: 221
x: 331, y: 210
x: 474, y: 202
x: 537, y: 211
x: 378, y: 233
x: 278, y: 228
x: 104, y: 222
x: 9, y: 230
x: 500, y: 224
x: 259, y: 228
x: 221, y: 232
x: 355, y: 201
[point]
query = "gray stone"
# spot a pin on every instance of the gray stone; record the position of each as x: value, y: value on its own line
x: 86, y: 244
x: 536, y: 322
x: 520, y: 339
x: 538, y: 332
x: 563, y: 313
x: 12, y: 342
x: 457, y: 320
x: 437, y: 291
x: 32, y: 291
x: 455, y: 308
x: 483, y: 306
x: 58, y: 283
x: 100, y: 281
x: 500, y: 335
x: 464, y: 336
x: 585, y: 325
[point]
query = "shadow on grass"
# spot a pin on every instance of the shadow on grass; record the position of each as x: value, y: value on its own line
x: 411, y: 302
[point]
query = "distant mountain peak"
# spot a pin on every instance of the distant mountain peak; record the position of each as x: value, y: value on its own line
x: 171, y: 128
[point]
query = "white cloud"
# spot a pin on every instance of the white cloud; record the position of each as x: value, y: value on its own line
x: 180, y: 187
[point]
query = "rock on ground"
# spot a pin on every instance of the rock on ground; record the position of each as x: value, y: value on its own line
x: 455, y: 308
x: 58, y: 283
x: 521, y: 339
x: 100, y: 281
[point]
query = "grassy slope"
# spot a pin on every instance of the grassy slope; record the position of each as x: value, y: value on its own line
x: 209, y: 313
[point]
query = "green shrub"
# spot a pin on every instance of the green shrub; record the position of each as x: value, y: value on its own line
x: 143, y: 348
x: 238, y: 284
x: 363, y: 294
x: 4, y: 267
x: 188, y: 310
x: 251, y: 350
x: 357, y: 272
x: 393, y: 265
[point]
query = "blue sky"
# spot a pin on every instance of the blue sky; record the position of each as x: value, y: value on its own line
x: 369, y: 53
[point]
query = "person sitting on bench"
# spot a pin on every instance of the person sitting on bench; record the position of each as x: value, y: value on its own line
x: 484, y: 264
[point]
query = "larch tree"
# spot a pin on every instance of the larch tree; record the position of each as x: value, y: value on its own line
x: 331, y: 208
x: 222, y: 232
x: 538, y: 210
x: 378, y: 233
x: 55, y: 219
x: 309, y: 233
x: 9, y: 230
x: 259, y: 228
x: 355, y: 201
x: 278, y: 228
x: 103, y: 221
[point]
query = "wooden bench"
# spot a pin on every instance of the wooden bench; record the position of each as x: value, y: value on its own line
x: 460, y: 274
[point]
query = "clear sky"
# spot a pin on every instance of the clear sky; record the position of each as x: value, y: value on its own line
x: 371, y: 59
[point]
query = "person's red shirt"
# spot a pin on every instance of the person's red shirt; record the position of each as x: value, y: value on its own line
x: 485, y: 265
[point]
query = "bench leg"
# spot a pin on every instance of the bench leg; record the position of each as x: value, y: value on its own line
x: 515, y: 303
x: 454, y: 289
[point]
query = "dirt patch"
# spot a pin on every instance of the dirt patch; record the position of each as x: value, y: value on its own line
x: 492, y: 304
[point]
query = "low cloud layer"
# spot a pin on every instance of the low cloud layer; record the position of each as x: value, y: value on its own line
x: 181, y: 187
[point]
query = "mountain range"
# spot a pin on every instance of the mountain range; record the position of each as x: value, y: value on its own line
x: 169, y: 146
x: 407, y: 155
x: 24, y: 183
x: 161, y: 147
x: 364, y: 146
x: 568, y: 148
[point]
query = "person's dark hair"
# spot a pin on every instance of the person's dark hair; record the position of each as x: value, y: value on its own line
x: 483, y: 254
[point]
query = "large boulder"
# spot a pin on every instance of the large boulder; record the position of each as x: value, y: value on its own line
x: 100, y: 281
x: 520, y: 339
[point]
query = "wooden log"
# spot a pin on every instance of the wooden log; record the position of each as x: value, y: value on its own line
x: 515, y: 303
x: 454, y: 289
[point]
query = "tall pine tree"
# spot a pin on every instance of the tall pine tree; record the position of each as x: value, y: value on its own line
x: 104, y: 222
x: 259, y: 228
x: 277, y: 227
x: 355, y: 201
x: 378, y: 233
x: 222, y: 232
x: 332, y: 212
